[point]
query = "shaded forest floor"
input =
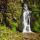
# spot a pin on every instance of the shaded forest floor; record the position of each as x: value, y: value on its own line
x: 9, y: 35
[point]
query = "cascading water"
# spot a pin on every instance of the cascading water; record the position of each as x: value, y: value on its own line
x: 26, y: 19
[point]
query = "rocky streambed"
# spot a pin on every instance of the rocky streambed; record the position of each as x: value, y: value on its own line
x: 31, y: 36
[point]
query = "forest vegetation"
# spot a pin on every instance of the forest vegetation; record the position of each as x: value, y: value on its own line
x: 11, y: 14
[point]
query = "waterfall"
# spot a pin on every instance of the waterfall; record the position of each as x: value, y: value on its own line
x: 26, y: 19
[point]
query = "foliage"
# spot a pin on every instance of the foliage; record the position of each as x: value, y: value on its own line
x: 36, y: 17
x: 7, y: 34
x: 14, y: 14
x: 15, y: 9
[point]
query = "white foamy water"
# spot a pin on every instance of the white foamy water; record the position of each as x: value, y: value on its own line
x: 26, y: 19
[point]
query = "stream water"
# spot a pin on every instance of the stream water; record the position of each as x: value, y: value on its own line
x: 26, y: 19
